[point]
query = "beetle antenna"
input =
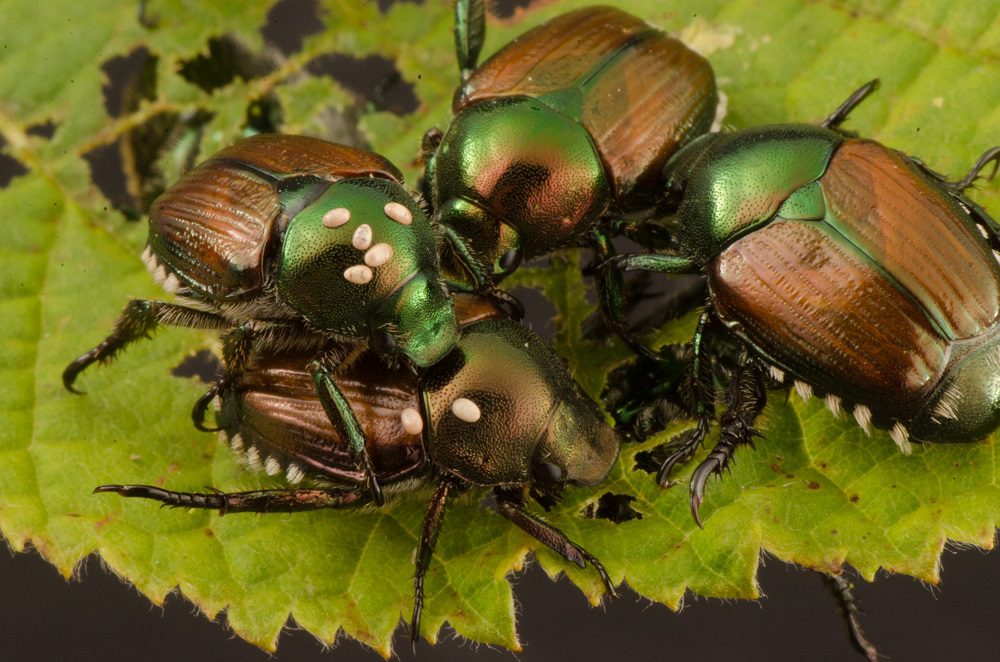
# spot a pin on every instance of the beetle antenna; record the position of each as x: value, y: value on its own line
x: 838, y: 116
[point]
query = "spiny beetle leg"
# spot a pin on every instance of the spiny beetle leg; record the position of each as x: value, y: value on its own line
x: 201, y: 406
x: 478, y: 273
x: 138, y: 320
x: 851, y: 610
x: 838, y: 116
x: 255, y: 501
x: 667, y: 264
x: 611, y: 293
x: 508, y: 302
x: 510, y: 504
x: 991, y: 155
x: 957, y: 190
x: 746, y: 397
x: 339, y: 411
x: 703, y: 407
x: 470, y: 33
x: 425, y: 550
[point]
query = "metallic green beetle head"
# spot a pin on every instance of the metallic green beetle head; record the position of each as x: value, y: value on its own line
x: 504, y: 411
x: 514, y: 177
x: 361, y: 261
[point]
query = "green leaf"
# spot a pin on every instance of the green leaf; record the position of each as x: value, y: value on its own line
x: 815, y: 492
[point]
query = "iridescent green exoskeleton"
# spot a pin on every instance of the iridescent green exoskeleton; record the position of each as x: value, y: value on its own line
x: 499, y: 411
x: 289, y: 241
x: 845, y: 267
x: 557, y: 136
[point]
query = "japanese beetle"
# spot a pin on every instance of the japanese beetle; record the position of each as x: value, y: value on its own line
x: 557, y: 136
x: 290, y: 241
x: 499, y: 411
x: 845, y: 267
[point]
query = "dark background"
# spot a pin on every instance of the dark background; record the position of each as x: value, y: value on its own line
x: 42, y: 617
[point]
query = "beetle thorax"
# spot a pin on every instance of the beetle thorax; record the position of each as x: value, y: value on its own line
x: 522, y: 164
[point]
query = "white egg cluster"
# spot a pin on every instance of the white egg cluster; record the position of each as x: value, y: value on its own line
x: 375, y: 255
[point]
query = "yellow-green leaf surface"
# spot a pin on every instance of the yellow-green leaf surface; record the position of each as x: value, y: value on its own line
x: 816, y: 491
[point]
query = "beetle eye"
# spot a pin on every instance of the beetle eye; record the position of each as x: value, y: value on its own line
x: 509, y: 261
x: 546, y: 473
x: 384, y: 342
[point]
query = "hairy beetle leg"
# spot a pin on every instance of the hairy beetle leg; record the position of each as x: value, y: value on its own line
x: 339, y: 411
x: 683, y: 448
x: 201, y: 405
x: 746, y: 397
x: 254, y: 501
x: 511, y: 506
x: 425, y: 550
x: 510, y: 303
x: 611, y: 294
x: 237, y: 346
x: 991, y: 155
x: 850, y: 609
x: 138, y: 320
x: 470, y: 33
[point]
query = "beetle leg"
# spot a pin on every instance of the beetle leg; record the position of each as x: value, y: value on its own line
x: 204, y: 401
x: 667, y: 264
x: 470, y: 32
x: 977, y: 212
x: 508, y: 302
x: 342, y: 416
x: 683, y: 448
x: 610, y: 288
x: 236, y: 348
x: 838, y: 116
x: 850, y: 608
x: 254, y: 501
x: 138, y: 320
x: 991, y: 155
x: 746, y: 397
x: 511, y: 505
x: 649, y: 233
x: 471, y: 263
x: 481, y: 276
x: 957, y: 191
x: 425, y: 550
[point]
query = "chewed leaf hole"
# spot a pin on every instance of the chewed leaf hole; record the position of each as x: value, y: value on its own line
x: 228, y: 58
x: 129, y: 80
x: 289, y: 22
x: 614, y: 507
x: 509, y: 9
x: 10, y: 168
x: 204, y: 365
x: 43, y: 129
x: 374, y: 78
